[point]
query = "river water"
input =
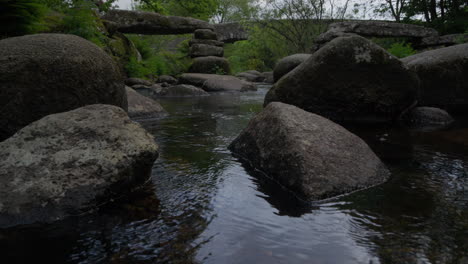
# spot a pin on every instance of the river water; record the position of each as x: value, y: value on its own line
x: 203, y: 206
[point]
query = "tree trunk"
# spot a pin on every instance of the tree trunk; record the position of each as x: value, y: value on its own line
x: 433, y: 10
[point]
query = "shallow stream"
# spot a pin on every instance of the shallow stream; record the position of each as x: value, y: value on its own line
x: 204, y: 206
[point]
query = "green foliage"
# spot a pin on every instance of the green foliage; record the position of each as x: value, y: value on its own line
x: 56, y: 5
x: 200, y: 9
x: 218, y: 70
x: 20, y: 17
x: 401, y: 50
x: 82, y: 21
x: 157, y: 59
x: 235, y: 10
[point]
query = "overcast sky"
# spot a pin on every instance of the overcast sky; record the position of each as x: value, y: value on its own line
x: 127, y: 4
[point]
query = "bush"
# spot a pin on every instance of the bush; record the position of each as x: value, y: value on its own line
x: 156, y: 59
x: 82, y: 21
x: 401, y: 50
x: 20, y: 17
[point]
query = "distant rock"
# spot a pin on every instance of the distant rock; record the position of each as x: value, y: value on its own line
x: 137, y: 81
x: 181, y: 90
x: 203, y: 50
x: 44, y: 74
x: 287, y: 64
x: 349, y: 79
x: 166, y: 79
x: 210, y: 65
x: 269, y: 77
x: 251, y: 76
x: 206, y: 42
x: 148, y: 91
x: 214, y: 83
x: 207, y: 34
x: 69, y: 163
x: 142, y: 22
x: 141, y: 107
x: 373, y: 28
x: 428, y: 116
x: 307, y: 153
x: 444, y: 77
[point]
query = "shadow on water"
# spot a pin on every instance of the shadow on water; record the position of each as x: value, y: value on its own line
x: 204, y: 206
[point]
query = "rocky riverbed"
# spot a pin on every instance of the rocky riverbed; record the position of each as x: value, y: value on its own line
x: 211, y: 209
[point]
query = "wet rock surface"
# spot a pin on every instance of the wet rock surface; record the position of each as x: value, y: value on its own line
x: 141, y: 107
x: 287, y: 64
x: 309, y: 154
x: 444, y: 77
x: 215, y: 83
x: 349, y: 79
x: 66, y: 164
x: 49, y: 73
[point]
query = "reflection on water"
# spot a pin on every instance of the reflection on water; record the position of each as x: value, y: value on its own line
x: 204, y: 206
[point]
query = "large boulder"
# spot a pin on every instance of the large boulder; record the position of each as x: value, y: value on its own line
x: 68, y: 163
x: 349, y: 79
x: 203, y: 50
x: 211, y: 65
x: 51, y: 73
x: 287, y: 64
x: 307, y: 153
x: 444, y: 76
x: 140, y: 107
x: 215, y: 83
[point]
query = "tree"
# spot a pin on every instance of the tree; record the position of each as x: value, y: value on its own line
x: 19, y: 17
x: 396, y: 8
x: 200, y: 9
x: 235, y: 10
x: 299, y: 21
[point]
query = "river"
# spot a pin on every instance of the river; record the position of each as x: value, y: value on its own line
x: 203, y: 206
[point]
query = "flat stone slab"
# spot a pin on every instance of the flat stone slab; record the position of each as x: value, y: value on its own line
x: 150, y: 23
x: 382, y: 29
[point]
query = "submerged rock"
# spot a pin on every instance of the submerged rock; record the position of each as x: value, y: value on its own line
x: 215, y: 83
x: 140, y: 106
x: 66, y: 164
x: 444, y: 76
x: 50, y: 73
x: 349, y: 79
x: 307, y: 153
x: 287, y: 64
